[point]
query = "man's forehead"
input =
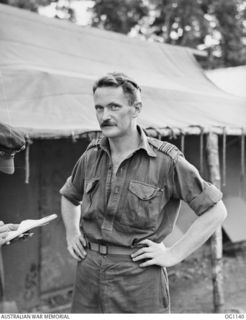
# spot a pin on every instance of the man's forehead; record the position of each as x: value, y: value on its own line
x: 108, y: 93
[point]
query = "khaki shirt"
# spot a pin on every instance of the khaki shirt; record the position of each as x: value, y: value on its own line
x: 144, y: 199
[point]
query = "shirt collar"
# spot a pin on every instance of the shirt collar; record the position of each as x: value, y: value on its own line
x: 143, y: 144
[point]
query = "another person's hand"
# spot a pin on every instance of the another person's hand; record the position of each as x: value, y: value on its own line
x: 22, y: 237
x: 153, y: 254
x: 76, y: 246
x: 4, y: 230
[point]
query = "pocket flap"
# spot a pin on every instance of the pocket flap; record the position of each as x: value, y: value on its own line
x: 90, y: 184
x: 142, y: 190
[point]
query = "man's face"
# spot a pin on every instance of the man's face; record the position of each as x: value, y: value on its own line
x: 114, y: 114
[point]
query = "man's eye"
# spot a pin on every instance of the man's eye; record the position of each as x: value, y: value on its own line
x: 99, y: 108
x: 114, y: 107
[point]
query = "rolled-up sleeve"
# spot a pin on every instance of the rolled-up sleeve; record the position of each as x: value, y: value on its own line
x: 189, y: 186
x: 73, y: 189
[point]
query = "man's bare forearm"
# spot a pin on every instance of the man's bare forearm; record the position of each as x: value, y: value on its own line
x: 199, y: 232
x: 196, y: 235
x: 71, y: 216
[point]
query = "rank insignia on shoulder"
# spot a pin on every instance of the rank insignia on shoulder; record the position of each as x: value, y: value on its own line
x: 165, y: 147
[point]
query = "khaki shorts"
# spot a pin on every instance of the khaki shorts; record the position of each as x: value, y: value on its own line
x: 116, y: 284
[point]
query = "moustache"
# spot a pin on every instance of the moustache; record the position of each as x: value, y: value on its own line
x: 107, y: 124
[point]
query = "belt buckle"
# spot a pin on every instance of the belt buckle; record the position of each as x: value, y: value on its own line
x: 103, y: 249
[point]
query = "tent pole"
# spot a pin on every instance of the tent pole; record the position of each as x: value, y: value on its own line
x: 216, y: 239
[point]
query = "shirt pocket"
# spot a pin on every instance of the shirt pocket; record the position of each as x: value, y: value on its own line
x: 89, y: 202
x: 143, y: 205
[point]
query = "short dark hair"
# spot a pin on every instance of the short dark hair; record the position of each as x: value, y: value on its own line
x: 117, y: 79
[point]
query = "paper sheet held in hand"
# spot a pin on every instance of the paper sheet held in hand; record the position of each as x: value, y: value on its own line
x: 27, y: 225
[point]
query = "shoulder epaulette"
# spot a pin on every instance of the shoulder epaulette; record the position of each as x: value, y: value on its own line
x: 94, y: 143
x: 165, y: 147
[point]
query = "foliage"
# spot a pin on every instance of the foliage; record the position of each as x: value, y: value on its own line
x: 216, y: 26
x: 117, y: 15
x: 180, y: 22
x: 230, y: 24
x: 31, y: 5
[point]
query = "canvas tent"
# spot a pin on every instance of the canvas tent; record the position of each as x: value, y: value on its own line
x: 47, y: 69
x: 232, y: 80
x: 65, y: 59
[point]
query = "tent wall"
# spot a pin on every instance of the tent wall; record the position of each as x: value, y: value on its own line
x: 234, y: 190
x: 41, y: 264
x: 21, y: 260
x: 233, y: 166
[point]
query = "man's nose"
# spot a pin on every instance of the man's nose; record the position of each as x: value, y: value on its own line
x: 106, y: 114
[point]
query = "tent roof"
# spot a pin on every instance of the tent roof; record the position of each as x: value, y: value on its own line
x: 232, y: 80
x: 47, y: 69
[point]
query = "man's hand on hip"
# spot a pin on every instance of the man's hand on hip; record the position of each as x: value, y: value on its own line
x: 76, y: 246
x: 153, y: 254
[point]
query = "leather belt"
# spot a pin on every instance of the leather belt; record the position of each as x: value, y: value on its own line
x: 109, y: 249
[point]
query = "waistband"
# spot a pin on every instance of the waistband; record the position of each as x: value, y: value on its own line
x: 109, y: 249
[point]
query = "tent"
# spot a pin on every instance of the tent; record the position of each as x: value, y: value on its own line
x: 47, y: 69
x: 232, y: 80
x: 65, y: 59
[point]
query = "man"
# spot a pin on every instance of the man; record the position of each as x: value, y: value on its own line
x: 11, y: 142
x: 120, y: 203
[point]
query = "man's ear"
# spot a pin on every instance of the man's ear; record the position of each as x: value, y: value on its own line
x: 137, y: 108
